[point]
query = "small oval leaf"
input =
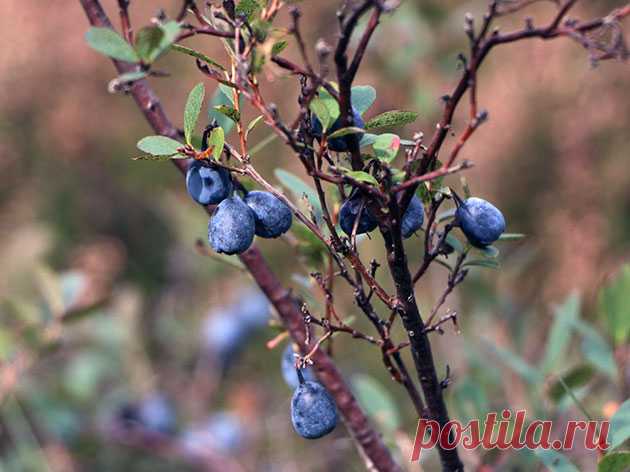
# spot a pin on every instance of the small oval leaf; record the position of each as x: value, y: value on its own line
x: 159, y: 145
x: 108, y: 42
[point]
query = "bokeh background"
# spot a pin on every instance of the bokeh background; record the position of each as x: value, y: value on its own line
x: 110, y: 242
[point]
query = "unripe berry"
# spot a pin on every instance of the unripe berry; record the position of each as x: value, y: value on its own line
x: 313, y: 411
x: 272, y: 216
x: 207, y: 184
x: 480, y: 221
x: 231, y: 227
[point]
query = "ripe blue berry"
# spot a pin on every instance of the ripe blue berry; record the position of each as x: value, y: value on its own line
x: 348, y: 214
x: 273, y: 217
x: 340, y: 144
x: 252, y: 309
x: 231, y: 227
x: 480, y: 221
x: 208, y: 184
x: 156, y: 413
x: 223, y: 336
x: 413, y: 218
x: 289, y: 373
x: 222, y: 431
x: 313, y: 411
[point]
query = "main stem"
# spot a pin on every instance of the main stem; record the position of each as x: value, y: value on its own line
x: 420, y: 346
x: 368, y: 442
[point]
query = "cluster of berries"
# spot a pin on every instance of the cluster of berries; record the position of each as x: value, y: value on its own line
x: 235, y: 220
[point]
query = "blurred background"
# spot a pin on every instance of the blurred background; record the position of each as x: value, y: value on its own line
x: 109, y: 313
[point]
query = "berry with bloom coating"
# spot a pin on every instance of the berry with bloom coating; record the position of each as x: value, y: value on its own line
x: 252, y: 309
x: 231, y: 227
x: 223, y: 432
x: 348, y: 215
x: 289, y: 374
x: 156, y: 413
x: 223, y: 335
x: 340, y: 144
x: 480, y: 221
x: 413, y: 218
x: 206, y: 184
x: 273, y: 217
x: 313, y: 411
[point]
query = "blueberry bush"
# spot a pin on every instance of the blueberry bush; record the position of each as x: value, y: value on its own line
x: 360, y: 177
x: 382, y: 181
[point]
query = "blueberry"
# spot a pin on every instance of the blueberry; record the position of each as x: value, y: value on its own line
x: 413, y: 218
x: 252, y: 309
x: 128, y: 415
x: 288, y: 368
x: 156, y: 414
x: 223, y: 431
x: 340, y: 144
x: 480, y: 221
x: 223, y: 335
x: 208, y: 184
x: 313, y: 411
x: 231, y: 227
x: 348, y: 214
x: 273, y: 217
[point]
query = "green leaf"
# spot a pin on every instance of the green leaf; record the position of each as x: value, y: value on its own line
x: 228, y: 111
x: 278, y: 47
x: 615, y: 462
x: 299, y: 188
x: 252, y: 124
x: 148, y: 42
x: 490, y: 251
x: 220, y: 98
x: 150, y: 157
x: 196, y: 55
x: 192, y: 110
x: 560, y: 335
x: 159, y: 145
x: 377, y: 402
x: 487, y: 263
x: 216, y: 142
x: 363, y: 97
x: 309, y: 245
x: 620, y: 426
x: 454, y: 243
x: 517, y: 364
x: 361, y: 176
x: 248, y: 8
x: 577, y: 377
x: 595, y: 349
x: 325, y: 108
x: 171, y: 30
x: 345, y: 131
x: 391, y: 118
x: 108, y: 42
x: 367, y: 139
x: 614, y: 299
x: 555, y: 461
x: 228, y: 92
x: 386, y: 147
x: 511, y: 236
